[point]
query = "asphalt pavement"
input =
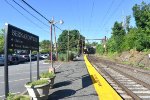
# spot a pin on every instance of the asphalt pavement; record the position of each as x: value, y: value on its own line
x: 73, y: 82
x: 20, y: 74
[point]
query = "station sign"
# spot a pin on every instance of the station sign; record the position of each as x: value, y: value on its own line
x: 21, y: 39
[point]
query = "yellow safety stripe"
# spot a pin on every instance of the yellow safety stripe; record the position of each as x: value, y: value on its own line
x: 103, y: 89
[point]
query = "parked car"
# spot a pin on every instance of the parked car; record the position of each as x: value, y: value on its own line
x: 33, y: 57
x: 21, y: 59
x: 13, y: 59
x: 44, y: 56
x: 26, y: 57
x: 1, y: 60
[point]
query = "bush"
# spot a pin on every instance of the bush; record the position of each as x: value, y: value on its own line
x: 37, y: 82
x: 62, y: 57
x: 47, y: 75
x: 17, y: 97
x: 71, y: 56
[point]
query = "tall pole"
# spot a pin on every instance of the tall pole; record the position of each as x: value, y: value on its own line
x: 30, y: 67
x: 82, y: 46
x: 6, y: 83
x: 51, y: 47
x: 79, y: 44
x: 68, y: 47
x: 55, y: 44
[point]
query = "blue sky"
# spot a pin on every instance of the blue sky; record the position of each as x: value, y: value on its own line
x: 93, y: 18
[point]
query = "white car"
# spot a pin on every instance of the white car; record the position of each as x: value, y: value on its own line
x: 44, y: 56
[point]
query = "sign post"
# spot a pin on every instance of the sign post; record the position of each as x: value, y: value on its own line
x: 16, y: 38
x: 6, y: 63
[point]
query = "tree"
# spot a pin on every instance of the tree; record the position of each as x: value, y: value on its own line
x: 45, y: 46
x: 141, y: 14
x: 128, y: 23
x: 118, y: 34
x: 1, y: 40
x: 74, y: 41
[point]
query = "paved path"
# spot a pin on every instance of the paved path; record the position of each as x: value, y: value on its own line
x: 73, y: 82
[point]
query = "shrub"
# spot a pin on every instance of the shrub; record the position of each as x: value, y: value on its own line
x: 17, y: 97
x: 62, y: 57
x: 47, y: 75
x: 37, y: 82
x: 71, y: 56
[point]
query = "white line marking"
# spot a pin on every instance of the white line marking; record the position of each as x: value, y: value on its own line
x: 58, y: 66
x: 24, y: 72
x: 17, y: 80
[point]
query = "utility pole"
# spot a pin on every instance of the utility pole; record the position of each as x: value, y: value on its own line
x: 79, y: 43
x: 51, y: 54
x: 68, y: 47
x: 105, y: 44
x: 55, y: 44
x: 82, y: 46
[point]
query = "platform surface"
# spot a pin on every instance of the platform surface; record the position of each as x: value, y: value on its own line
x: 73, y: 82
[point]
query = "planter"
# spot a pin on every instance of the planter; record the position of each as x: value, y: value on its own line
x: 48, y: 76
x: 39, y: 92
x: 51, y: 80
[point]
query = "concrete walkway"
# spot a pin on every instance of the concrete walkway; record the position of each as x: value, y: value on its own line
x: 73, y: 82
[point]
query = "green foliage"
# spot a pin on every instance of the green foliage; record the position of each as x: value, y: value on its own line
x: 1, y: 40
x: 142, y: 15
x: 71, y: 56
x: 45, y: 46
x: 111, y: 45
x: 47, y: 75
x: 62, y: 57
x: 17, y: 97
x: 37, y: 82
x: 137, y: 38
x: 75, y: 41
x: 34, y: 52
x: 118, y: 34
x: 100, y: 49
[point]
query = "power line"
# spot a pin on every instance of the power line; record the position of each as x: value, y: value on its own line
x: 35, y: 10
x: 91, y: 16
x: 108, y: 11
x: 113, y: 12
x: 25, y: 16
x: 39, y: 13
x: 30, y: 13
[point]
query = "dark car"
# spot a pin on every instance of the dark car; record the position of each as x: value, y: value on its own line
x: 26, y: 57
x: 21, y: 59
x: 13, y: 59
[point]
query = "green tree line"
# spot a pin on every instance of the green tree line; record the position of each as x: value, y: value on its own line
x: 129, y: 37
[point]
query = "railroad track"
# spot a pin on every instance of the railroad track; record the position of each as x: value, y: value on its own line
x: 129, y: 87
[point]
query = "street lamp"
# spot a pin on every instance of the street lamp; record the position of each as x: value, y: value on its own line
x: 52, y: 22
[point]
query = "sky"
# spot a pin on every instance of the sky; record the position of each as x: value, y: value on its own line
x: 93, y: 18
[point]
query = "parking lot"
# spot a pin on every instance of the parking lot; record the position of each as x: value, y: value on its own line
x: 20, y: 74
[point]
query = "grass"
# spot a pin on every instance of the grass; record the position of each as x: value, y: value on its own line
x: 47, y: 75
x: 146, y: 68
x: 37, y: 82
x: 12, y: 96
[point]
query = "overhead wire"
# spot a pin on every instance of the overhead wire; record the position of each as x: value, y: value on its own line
x: 38, y: 13
x: 30, y: 13
x: 91, y: 15
x: 114, y: 12
x: 35, y: 10
x: 25, y: 16
x: 107, y: 12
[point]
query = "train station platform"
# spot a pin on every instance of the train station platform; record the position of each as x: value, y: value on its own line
x: 73, y: 82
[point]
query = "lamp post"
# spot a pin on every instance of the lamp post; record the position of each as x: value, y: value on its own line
x: 52, y: 22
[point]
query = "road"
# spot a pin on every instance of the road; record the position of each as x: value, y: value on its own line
x: 20, y: 74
